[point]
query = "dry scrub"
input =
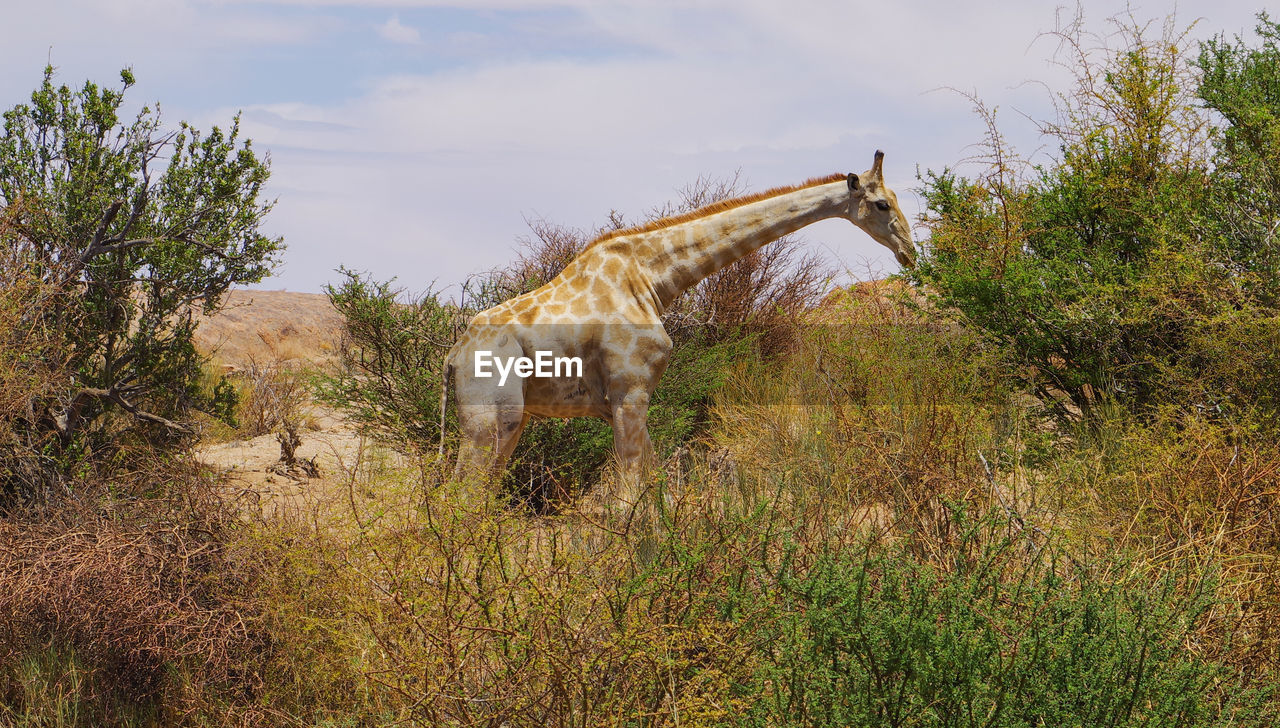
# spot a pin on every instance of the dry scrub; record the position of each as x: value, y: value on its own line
x: 878, y: 500
x: 149, y: 600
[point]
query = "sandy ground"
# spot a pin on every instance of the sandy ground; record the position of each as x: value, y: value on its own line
x: 252, y: 469
x: 299, y: 329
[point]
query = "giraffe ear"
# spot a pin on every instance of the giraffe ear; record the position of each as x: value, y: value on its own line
x: 853, y: 181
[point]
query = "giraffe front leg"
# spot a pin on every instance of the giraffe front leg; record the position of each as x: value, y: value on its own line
x: 489, y: 436
x: 631, y: 443
x: 491, y: 418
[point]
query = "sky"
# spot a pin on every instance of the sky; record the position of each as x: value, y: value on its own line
x: 415, y: 139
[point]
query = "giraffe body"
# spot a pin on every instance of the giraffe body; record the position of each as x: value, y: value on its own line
x: 606, y: 309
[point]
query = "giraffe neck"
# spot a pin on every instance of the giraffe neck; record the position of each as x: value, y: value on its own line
x: 679, y: 256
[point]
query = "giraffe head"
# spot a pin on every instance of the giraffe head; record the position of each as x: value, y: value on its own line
x: 874, y: 208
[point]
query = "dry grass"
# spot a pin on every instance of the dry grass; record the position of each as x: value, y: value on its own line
x: 448, y: 609
x: 431, y: 603
x: 143, y: 605
x: 1186, y: 490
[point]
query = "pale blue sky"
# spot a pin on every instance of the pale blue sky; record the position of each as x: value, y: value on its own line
x: 412, y: 138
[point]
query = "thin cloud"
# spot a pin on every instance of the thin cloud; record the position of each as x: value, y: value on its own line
x: 397, y: 32
x: 424, y: 164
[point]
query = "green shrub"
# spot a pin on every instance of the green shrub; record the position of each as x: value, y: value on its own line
x: 1239, y: 82
x: 128, y: 232
x: 1010, y: 638
x: 1114, y: 273
x: 390, y: 360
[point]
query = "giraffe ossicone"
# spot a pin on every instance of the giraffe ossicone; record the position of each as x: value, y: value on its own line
x: 605, y: 309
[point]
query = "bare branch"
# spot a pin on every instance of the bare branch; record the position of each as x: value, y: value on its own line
x: 69, y: 418
x: 117, y: 247
x: 107, y: 218
x: 149, y: 417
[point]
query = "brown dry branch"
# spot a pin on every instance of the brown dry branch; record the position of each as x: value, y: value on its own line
x: 275, y: 395
x: 149, y: 596
x: 289, y: 464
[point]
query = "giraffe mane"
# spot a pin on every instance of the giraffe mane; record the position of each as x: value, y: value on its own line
x: 712, y: 209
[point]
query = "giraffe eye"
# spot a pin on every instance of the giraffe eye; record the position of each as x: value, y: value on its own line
x: 882, y: 205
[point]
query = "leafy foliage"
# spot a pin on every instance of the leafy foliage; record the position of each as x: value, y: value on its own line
x: 392, y: 355
x: 1109, y: 274
x: 127, y: 231
x: 1242, y: 84
x: 1003, y: 640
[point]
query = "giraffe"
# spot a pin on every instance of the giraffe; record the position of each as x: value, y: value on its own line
x: 605, y: 309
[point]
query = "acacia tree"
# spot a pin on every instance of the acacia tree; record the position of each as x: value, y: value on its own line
x: 124, y: 231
